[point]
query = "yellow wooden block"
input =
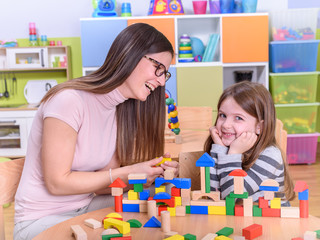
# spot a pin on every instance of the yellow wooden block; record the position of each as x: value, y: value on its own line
x: 114, y: 215
x: 123, y: 227
x: 164, y: 160
x: 160, y: 189
x: 221, y: 237
x: 177, y: 201
x: 275, y: 203
x: 172, y: 211
x: 175, y: 237
x: 132, y: 195
x: 216, y: 210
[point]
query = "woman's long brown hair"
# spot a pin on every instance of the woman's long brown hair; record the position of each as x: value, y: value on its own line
x: 140, y: 134
x: 256, y: 100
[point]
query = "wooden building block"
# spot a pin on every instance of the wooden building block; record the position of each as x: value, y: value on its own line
x: 247, y: 207
x: 165, y: 221
x: 203, y: 179
x: 175, y: 192
x: 180, y: 211
x: 116, y: 191
x: 290, y: 212
x: 168, y: 174
x: 110, y: 231
x: 214, y: 195
x: 223, y: 238
x: 118, y: 206
x: 217, y: 210
x: 207, y: 202
x: 143, y: 207
x: 123, y: 227
x: 132, y: 195
x: 137, y: 176
x: 271, y: 212
x: 209, y: 236
x: 93, y: 223
x: 238, y: 210
x: 226, y: 231
x: 177, y: 201
x: 185, y: 197
x: 304, y: 208
x: 252, y: 231
x: 160, y: 189
x: 152, y: 208
x: 172, y: 211
x: 78, y: 232
x: 275, y: 203
x: 268, y: 195
x: 173, y: 236
x: 238, y: 185
x: 263, y: 203
x: 239, y: 238
x: 310, y: 235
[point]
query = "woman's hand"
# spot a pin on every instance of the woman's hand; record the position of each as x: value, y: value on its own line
x: 243, y: 143
x: 215, y: 136
x: 149, y: 168
x: 174, y: 165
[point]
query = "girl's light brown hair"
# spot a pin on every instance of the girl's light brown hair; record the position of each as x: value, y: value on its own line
x: 140, y: 134
x: 257, y: 101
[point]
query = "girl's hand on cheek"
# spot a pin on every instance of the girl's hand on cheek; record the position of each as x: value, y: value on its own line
x: 215, y: 136
x: 243, y: 143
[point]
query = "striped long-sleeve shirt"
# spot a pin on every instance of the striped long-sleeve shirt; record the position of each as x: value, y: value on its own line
x: 269, y: 165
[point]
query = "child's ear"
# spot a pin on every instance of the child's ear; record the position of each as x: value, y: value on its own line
x: 259, y: 127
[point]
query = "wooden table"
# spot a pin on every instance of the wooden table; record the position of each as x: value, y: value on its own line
x: 200, y: 225
x: 192, y: 141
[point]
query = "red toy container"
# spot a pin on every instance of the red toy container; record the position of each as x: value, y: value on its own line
x: 302, y: 148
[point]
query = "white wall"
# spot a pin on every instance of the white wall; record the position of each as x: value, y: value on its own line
x: 60, y: 18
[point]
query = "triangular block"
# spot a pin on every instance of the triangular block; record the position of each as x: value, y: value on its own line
x: 153, y: 222
x: 118, y: 183
x: 205, y: 161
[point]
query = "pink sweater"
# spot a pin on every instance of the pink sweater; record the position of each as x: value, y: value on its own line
x: 93, y: 117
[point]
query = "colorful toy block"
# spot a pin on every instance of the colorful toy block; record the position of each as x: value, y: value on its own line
x: 189, y: 236
x: 118, y: 203
x: 244, y: 195
x: 177, y: 201
x: 256, y: 211
x: 115, y: 216
x: 78, y: 232
x: 153, y: 223
x: 304, y: 195
x: 180, y: 211
x: 130, y: 207
x: 123, y: 227
x: 92, y: 223
x: 118, y: 183
x: 175, y: 237
x: 122, y: 238
x: 111, y: 236
x: 238, y: 210
x: 138, y: 187
x: 309, y: 235
x: 168, y: 174
x: 275, y: 203
x: 199, y: 209
x: 290, y: 212
x: 175, y: 192
x: 205, y: 161
x: 252, y: 231
x: 132, y: 195
x: 152, y: 208
x: 210, y: 236
x: 222, y: 238
x: 238, y: 180
x: 164, y: 160
x: 304, y: 208
x: 230, y: 204
x: 271, y: 212
x: 226, y: 231
x: 217, y: 210
x: 300, y: 186
x: 134, y: 223
x: 263, y: 203
x: 318, y: 233
x: 161, y: 195
x: 144, y: 195
x: 247, y: 207
x: 160, y: 189
x: 165, y: 221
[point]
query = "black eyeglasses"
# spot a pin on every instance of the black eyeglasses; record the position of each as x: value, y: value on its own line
x: 160, y: 70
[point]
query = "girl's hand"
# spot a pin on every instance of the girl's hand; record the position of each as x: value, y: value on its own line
x: 148, y: 168
x: 171, y: 165
x: 243, y: 143
x: 215, y: 136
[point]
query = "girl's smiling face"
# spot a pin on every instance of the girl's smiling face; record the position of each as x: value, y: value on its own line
x: 233, y: 120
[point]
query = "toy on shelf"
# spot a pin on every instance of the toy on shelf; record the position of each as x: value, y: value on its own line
x: 173, y: 122
x: 287, y: 34
x: 104, y: 8
x: 33, y: 41
x: 9, y: 43
x: 126, y: 10
x: 185, y: 49
x: 164, y: 7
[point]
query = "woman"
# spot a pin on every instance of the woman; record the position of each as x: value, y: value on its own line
x: 111, y: 119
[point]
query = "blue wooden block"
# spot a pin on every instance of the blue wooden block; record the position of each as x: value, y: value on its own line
x: 127, y: 207
x: 144, y: 195
x: 176, y: 182
x: 198, y: 209
x: 268, y: 188
x: 205, y: 161
x: 185, y: 183
x: 153, y: 222
x: 137, y: 181
x: 161, y: 195
x: 304, y: 195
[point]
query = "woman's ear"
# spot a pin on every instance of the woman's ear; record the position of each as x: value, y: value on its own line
x: 259, y: 127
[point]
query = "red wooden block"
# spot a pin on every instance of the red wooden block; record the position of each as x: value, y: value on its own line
x: 161, y: 208
x: 238, y: 210
x: 252, y: 231
x: 175, y: 192
x: 170, y: 202
x: 271, y: 212
x: 118, y: 183
x: 304, y: 208
x: 263, y: 203
x: 118, y: 203
x: 238, y: 173
x: 297, y: 238
x: 300, y: 186
x: 122, y: 238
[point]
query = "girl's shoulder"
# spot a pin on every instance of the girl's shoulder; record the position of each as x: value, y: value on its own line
x: 273, y: 152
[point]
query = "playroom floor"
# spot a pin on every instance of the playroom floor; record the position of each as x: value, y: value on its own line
x: 309, y: 173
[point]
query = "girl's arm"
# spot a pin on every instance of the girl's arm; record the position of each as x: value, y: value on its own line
x: 269, y: 165
x: 58, y: 146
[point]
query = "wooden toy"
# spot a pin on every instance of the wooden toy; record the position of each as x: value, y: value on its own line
x: 209, y: 236
x: 252, y: 231
x: 173, y: 122
x: 175, y: 237
x: 189, y: 236
x: 112, y: 236
x: 93, y: 223
x: 78, y: 232
x: 290, y: 212
x: 299, y: 187
x: 180, y: 211
x: 165, y: 221
x: 123, y: 227
x: 226, y: 231
x: 309, y: 235
x: 153, y: 223
x: 110, y: 231
x: 152, y: 208
x: 269, y: 186
x: 169, y: 174
x: 247, y: 207
x: 134, y: 223
x: 238, y: 180
x: 217, y: 210
x: 121, y: 238
x: 118, y: 183
x: 170, y: 234
x: 239, y: 238
x: 223, y: 238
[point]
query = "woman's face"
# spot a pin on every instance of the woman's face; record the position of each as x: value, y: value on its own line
x: 143, y: 80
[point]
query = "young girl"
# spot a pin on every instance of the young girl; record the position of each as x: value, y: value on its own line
x: 244, y: 138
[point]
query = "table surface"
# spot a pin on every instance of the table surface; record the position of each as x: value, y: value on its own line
x: 199, y: 225
x: 192, y: 141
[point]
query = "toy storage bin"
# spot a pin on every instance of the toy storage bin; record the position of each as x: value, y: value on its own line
x: 293, y: 24
x: 298, y: 117
x: 293, y: 87
x: 293, y: 56
x: 302, y: 148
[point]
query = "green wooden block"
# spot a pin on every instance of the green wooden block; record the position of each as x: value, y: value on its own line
x: 226, y: 231
x: 184, y: 44
x: 134, y: 223
x: 244, y: 195
x: 108, y: 237
x: 207, y: 179
x: 230, y: 203
x: 188, y: 210
x: 190, y: 237
x: 138, y: 187
x: 256, y: 211
x: 318, y: 233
